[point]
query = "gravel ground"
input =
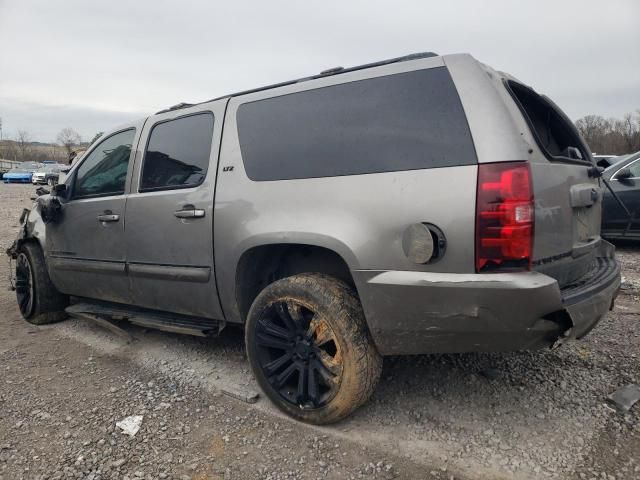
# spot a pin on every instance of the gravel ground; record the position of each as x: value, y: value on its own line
x: 483, y: 416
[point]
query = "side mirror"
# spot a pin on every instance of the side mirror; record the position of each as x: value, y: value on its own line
x: 50, y: 209
x: 60, y: 190
x: 625, y: 175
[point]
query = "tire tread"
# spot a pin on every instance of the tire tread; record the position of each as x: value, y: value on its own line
x: 49, y: 302
x: 340, y: 298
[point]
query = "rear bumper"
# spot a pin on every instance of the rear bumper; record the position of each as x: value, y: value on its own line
x: 589, y: 299
x: 424, y: 312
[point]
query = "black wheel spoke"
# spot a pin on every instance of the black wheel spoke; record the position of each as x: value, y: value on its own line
x: 275, y: 365
x: 270, y: 328
x: 313, y: 387
x: 302, y: 384
x: 285, y: 316
x: 327, y: 363
x: 23, y: 284
x: 327, y: 375
x: 279, y: 380
x: 295, y: 312
x: 269, y: 341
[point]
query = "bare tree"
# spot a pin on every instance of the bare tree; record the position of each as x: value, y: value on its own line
x: 56, y: 153
x: 68, y: 137
x: 591, y: 127
x: 24, y: 144
x: 628, y: 131
x: 611, y: 136
x: 8, y: 150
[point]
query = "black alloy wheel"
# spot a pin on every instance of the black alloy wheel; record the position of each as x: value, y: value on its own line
x: 24, y: 285
x: 299, y: 354
x: 38, y: 299
x: 310, y: 349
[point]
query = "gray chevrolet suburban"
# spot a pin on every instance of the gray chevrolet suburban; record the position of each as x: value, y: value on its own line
x: 421, y: 204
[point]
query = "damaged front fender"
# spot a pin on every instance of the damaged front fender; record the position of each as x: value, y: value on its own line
x: 32, y: 227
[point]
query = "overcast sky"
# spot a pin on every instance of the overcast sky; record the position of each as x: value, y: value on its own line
x: 93, y: 65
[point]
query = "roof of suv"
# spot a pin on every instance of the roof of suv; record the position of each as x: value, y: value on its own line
x: 324, y: 73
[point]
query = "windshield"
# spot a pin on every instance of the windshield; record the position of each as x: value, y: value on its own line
x: 617, y: 160
x: 28, y: 166
x: 50, y: 168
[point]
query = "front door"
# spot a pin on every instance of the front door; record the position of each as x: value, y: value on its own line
x: 169, y: 231
x: 615, y: 218
x: 86, y: 246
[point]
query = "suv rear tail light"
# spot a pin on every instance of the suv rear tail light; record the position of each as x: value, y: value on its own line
x: 504, y: 217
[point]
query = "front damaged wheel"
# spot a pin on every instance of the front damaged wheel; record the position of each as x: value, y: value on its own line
x: 38, y: 299
x: 310, y: 349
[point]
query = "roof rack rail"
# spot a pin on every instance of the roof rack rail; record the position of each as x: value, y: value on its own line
x: 325, y: 73
x: 178, y: 106
x: 331, y: 72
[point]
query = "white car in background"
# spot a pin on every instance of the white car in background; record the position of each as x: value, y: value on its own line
x: 49, y: 174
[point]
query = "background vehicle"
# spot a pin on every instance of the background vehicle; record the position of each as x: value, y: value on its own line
x: 48, y: 174
x: 6, y: 165
x: 621, y: 216
x: 605, y: 161
x: 21, y: 173
x: 421, y: 204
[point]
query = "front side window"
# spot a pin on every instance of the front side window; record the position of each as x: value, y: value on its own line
x: 104, y: 171
x: 177, y: 154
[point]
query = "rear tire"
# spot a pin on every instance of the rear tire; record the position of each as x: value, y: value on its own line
x: 310, y: 349
x: 38, y: 299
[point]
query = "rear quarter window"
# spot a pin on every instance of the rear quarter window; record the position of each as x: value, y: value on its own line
x: 405, y: 121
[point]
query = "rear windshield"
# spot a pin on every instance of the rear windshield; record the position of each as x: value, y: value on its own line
x: 553, y: 131
x: 405, y: 121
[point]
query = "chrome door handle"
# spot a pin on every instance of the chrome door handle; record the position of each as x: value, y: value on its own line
x: 108, y: 217
x: 192, y: 213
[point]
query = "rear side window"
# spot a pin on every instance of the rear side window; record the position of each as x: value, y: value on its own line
x: 552, y: 130
x: 104, y: 171
x: 405, y: 121
x: 177, y: 154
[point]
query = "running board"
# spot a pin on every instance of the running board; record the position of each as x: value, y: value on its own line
x: 176, y: 323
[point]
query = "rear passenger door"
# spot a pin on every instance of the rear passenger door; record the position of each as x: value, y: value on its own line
x: 169, y: 214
